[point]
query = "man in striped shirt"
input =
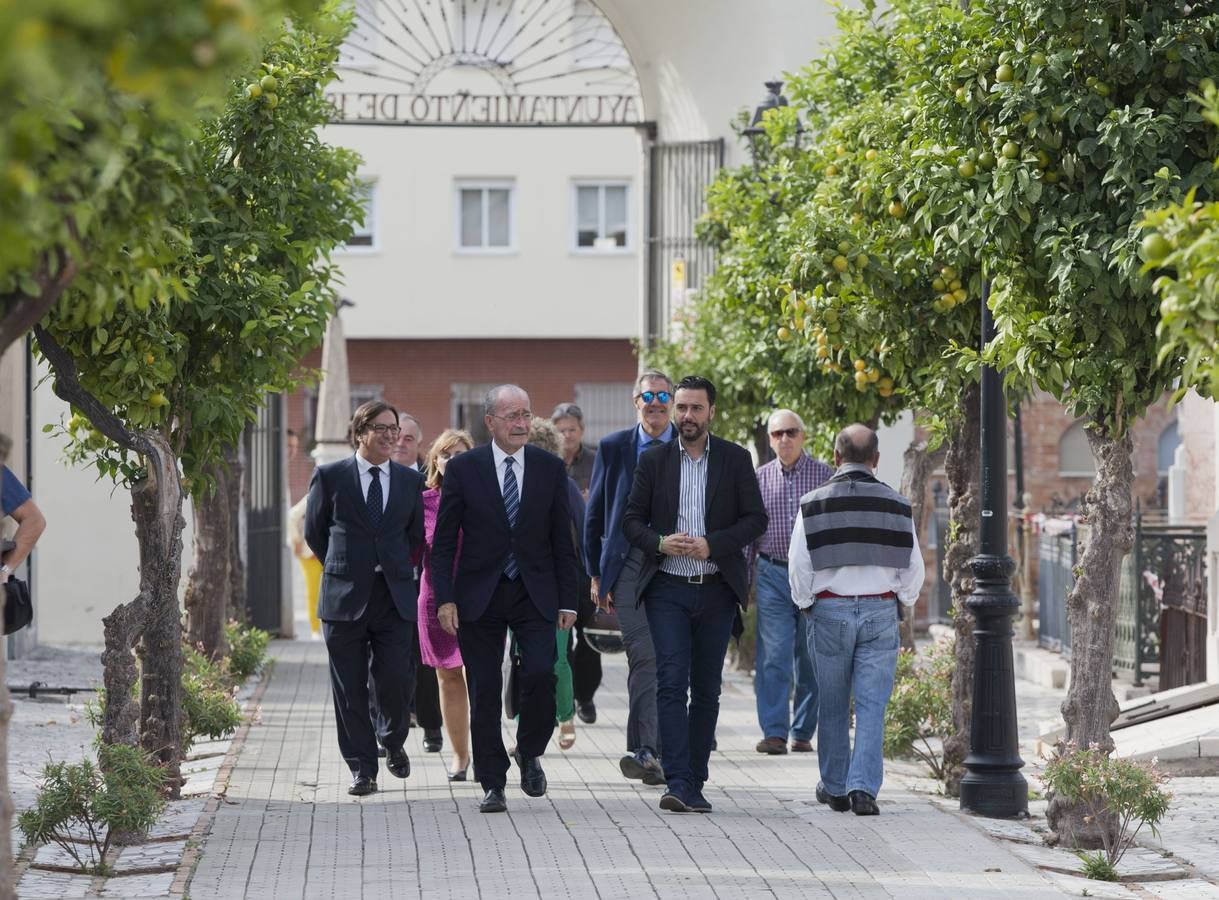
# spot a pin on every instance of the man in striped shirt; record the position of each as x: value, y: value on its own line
x: 694, y: 508
x: 782, y: 636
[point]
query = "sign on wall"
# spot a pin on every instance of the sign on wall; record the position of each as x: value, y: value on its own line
x: 484, y: 62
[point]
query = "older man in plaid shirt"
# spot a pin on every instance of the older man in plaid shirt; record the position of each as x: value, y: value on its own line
x: 782, y: 645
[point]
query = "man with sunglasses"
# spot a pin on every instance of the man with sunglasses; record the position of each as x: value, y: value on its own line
x: 782, y: 636
x: 364, y: 521
x: 614, y: 577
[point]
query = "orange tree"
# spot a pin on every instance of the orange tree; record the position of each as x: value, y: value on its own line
x: 165, y: 387
x: 828, y: 298
x: 1037, y: 137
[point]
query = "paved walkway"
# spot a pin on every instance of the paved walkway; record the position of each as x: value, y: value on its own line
x: 288, y: 829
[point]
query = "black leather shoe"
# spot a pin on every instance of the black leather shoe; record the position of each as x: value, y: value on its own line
x: 493, y: 801
x: 863, y: 804
x: 362, y: 786
x: 398, y: 763
x: 587, y: 712
x: 459, y: 775
x: 433, y: 740
x: 834, y: 802
x: 533, y: 779
x: 698, y: 803
x: 674, y: 800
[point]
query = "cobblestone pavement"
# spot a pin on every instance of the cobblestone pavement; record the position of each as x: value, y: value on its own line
x: 288, y: 829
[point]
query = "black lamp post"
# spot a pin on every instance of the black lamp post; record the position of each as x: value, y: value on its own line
x: 773, y: 100
x: 993, y: 785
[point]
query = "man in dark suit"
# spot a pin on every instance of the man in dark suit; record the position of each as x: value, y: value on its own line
x: 694, y: 507
x: 364, y: 520
x: 509, y: 504
x: 614, y: 567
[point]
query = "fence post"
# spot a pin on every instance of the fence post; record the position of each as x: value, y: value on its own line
x: 1138, y: 598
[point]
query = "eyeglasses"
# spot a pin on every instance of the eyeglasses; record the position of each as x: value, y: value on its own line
x: 649, y: 396
x: 521, y: 415
x: 392, y: 430
x: 786, y: 432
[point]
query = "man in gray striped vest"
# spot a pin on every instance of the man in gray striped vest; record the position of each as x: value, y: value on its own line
x: 853, y: 559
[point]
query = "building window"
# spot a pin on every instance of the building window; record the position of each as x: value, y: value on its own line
x: 365, y: 235
x: 606, y: 406
x: 602, y: 216
x: 466, y: 410
x: 360, y: 394
x: 486, y: 220
x: 1166, y: 447
x: 1075, y: 458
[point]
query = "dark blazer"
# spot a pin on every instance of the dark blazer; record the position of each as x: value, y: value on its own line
x: 605, y: 545
x: 735, y: 515
x: 473, y: 504
x: 339, y: 531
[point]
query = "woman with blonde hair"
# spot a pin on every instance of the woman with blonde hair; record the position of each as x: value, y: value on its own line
x: 437, y: 647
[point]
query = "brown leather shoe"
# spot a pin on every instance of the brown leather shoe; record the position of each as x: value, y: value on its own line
x: 772, y: 746
x: 802, y: 746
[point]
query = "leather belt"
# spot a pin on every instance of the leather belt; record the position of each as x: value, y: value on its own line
x: 705, y: 578
x: 773, y: 561
x: 830, y: 595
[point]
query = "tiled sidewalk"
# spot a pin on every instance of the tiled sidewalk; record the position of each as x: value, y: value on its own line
x: 288, y: 829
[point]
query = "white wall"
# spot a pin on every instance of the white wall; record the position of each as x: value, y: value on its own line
x: 415, y: 284
x: 87, y: 561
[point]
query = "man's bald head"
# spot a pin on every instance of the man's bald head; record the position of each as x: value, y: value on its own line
x: 857, y: 444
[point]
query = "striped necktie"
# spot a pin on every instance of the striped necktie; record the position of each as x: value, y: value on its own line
x: 512, y: 506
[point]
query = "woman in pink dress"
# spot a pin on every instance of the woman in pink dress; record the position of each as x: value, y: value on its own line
x: 438, y: 648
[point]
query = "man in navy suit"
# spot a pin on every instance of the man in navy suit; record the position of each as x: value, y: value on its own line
x: 693, y: 509
x: 364, y: 520
x: 615, y: 568
x: 509, y: 504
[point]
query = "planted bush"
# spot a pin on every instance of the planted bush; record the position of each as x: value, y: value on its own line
x: 247, y: 649
x: 207, y: 698
x: 920, y: 708
x: 82, y: 806
x: 1119, y: 795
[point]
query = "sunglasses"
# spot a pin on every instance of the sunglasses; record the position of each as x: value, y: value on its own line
x: 785, y: 432
x: 649, y: 396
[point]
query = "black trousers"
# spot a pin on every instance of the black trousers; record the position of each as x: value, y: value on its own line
x: 427, y: 693
x: 585, y: 661
x: 482, y: 651
x: 375, y: 650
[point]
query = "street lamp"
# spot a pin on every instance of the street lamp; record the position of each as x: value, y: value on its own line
x: 993, y: 785
x: 773, y: 100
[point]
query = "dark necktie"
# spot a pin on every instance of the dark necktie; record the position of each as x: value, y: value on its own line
x: 375, y: 500
x: 652, y: 443
x: 512, y: 506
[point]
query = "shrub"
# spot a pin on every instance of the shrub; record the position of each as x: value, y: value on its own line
x: 81, y: 806
x: 920, y: 707
x: 1117, y: 794
x: 247, y: 649
x: 207, y: 699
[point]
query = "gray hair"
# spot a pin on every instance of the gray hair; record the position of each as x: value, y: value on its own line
x: 567, y: 411
x: 770, y: 420
x: 491, y: 400
x: 653, y: 375
x: 857, y: 444
x: 407, y: 417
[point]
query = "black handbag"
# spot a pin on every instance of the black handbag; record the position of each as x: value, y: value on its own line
x: 18, y: 608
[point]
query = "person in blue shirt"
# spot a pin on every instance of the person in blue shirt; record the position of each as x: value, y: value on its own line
x: 15, y: 501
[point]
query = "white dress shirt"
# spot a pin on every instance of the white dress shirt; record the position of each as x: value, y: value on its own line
x: 365, y: 468
x: 518, y: 467
x: 849, y: 581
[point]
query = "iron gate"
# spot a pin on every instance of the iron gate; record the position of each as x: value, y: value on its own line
x: 265, y: 511
x: 679, y: 174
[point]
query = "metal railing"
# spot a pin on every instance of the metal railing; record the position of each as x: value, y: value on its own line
x: 1056, y: 558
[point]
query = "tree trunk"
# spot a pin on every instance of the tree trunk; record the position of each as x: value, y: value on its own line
x: 1090, y: 707
x: 157, y: 510
x: 963, y: 469
x: 208, y: 589
x: 235, y: 489
x: 917, y: 464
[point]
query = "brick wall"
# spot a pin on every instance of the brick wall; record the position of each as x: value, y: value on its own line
x: 417, y: 377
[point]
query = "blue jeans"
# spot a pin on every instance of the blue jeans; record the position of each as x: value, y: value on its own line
x: 691, y: 625
x: 855, y: 645
x: 782, y: 647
